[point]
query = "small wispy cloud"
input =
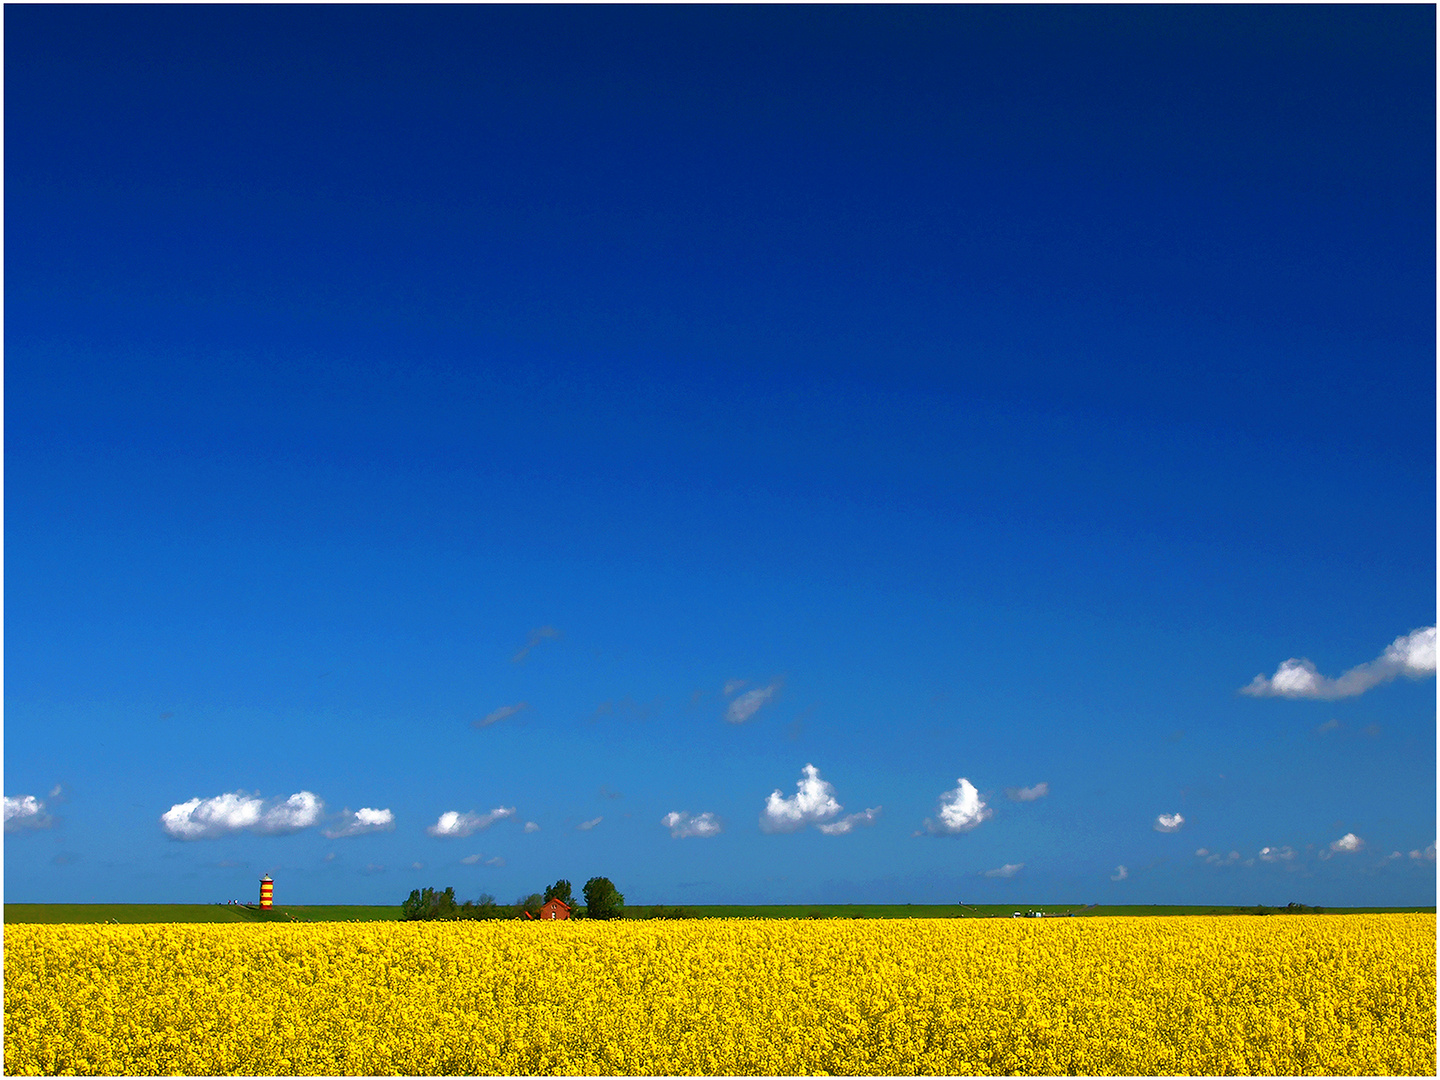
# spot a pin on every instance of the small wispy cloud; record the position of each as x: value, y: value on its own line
x: 222, y: 815
x: 530, y: 826
x: 539, y: 634
x: 1120, y: 874
x: 1168, y: 823
x: 1425, y: 854
x: 959, y: 810
x: 502, y: 713
x: 1276, y: 854
x: 472, y: 860
x: 849, y: 821
x: 812, y: 804
x: 1028, y: 794
x: 731, y: 685
x: 452, y: 823
x: 1214, y: 858
x: 25, y: 812
x: 586, y: 826
x: 1411, y: 655
x: 362, y: 821
x: 1330, y: 725
x: 682, y: 825
x: 1009, y: 870
x: 749, y: 703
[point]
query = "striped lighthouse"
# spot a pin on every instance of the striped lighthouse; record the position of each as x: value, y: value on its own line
x: 267, y: 893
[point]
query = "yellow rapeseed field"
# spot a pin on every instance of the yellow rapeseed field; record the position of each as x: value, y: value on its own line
x: 1303, y: 994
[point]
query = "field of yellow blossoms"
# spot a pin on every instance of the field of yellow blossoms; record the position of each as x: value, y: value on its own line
x: 1303, y: 994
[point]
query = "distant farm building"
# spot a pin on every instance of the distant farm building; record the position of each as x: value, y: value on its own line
x: 555, y: 908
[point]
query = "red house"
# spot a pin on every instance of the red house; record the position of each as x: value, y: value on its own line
x: 555, y: 908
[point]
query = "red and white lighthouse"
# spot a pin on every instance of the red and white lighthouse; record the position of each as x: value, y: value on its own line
x: 267, y: 893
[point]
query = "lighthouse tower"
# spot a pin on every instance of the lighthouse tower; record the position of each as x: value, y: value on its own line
x: 267, y: 893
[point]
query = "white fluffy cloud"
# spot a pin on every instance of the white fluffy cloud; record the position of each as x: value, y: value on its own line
x: 454, y: 823
x: 959, y: 811
x: 364, y: 820
x: 200, y: 819
x: 1412, y: 655
x: 1168, y: 823
x: 748, y: 704
x: 1028, y: 794
x: 1009, y: 870
x: 222, y: 815
x: 502, y: 713
x: 299, y: 811
x: 813, y: 804
x: 849, y: 821
x: 530, y: 826
x: 1426, y: 853
x: 1120, y: 874
x: 25, y: 812
x: 682, y: 825
x: 1346, y: 845
x: 586, y: 826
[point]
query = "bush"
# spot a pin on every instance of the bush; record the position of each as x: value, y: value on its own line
x: 659, y: 912
x: 484, y: 908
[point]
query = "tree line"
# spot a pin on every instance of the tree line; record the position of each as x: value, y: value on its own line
x: 602, y: 901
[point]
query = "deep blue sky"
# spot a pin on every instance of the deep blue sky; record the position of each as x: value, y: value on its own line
x: 989, y: 393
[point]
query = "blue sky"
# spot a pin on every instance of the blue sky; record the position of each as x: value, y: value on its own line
x: 755, y: 454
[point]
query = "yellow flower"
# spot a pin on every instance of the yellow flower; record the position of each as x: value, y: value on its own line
x: 1183, y: 995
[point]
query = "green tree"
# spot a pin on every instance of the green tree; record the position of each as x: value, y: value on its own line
x: 603, y: 900
x: 431, y: 905
x: 560, y: 891
x: 529, y: 904
x: 483, y: 908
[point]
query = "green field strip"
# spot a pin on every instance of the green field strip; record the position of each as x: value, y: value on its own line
x: 309, y: 913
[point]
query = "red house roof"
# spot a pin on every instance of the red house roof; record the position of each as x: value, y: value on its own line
x: 555, y: 908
